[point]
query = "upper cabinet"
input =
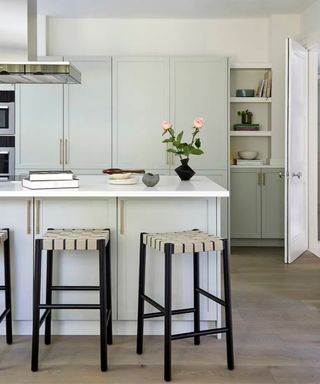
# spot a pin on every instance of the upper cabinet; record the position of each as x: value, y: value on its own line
x: 140, y: 104
x: 199, y: 87
x: 148, y: 90
x: 39, y: 126
x: 87, y: 116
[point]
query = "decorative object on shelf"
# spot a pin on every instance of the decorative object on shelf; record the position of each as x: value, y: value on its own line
x: 248, y: 155
x: 246, y: 116
x: 245, y: 93
x: 249, y: 163
x: 120, y: 176
x: 112, y: 171
x: 183, y: 149
x: 150, y: 180
x: 246, y: 127
x: 265, y: 85
x: 128, y: 181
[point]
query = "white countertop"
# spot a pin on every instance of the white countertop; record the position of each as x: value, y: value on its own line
x: 98, y: 186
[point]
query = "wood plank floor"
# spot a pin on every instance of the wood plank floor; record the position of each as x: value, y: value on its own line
x: 277, y: 337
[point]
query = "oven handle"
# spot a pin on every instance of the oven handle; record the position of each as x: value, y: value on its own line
x: 4, y: 107
x: 4, y: 153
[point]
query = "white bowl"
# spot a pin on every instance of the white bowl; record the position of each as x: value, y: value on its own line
x: 120, y: 176
x: 248, y: 155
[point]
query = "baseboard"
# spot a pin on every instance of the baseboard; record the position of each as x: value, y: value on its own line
x: 257, y: 242
x: 74, y: 327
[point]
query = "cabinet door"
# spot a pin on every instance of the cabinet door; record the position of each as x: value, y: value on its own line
x: 273, y: 204
x: 39, y: 129
x: 77, y: 267
x: 88, y: 116
x: 140, y: 104
x: 199, y: 87
x: 163, y: 215
x: 17, y: 215
x: 245, y: 197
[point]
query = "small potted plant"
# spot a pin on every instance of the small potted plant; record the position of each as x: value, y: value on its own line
x: 183, y: 149
x: 246, y: 116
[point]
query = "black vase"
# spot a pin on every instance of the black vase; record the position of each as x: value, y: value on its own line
x: 184, y: 171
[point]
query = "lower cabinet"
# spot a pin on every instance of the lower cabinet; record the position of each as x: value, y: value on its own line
x: 257, y: 203
x: 162, y: 215
x: 17, y: 215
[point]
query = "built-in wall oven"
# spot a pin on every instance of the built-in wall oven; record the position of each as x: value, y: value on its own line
x: 7, y: 144
x: 7, y: 124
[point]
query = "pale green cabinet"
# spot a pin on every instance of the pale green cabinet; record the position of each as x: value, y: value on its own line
x: 272, y: 204
x: 257, y: 203
x: 245, y: 197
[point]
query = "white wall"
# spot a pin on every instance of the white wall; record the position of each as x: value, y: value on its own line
x: 310, y: 20
x: 243, y: 40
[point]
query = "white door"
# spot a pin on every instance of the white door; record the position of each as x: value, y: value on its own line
x: 296, y: 211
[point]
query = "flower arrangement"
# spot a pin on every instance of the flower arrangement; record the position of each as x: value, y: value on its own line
x: 178, y: 147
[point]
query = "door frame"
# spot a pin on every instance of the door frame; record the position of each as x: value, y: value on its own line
x: 314, y: 243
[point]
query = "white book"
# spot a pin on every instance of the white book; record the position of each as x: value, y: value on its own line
x: 50, y: 175
x: 50, y: 184
x: 262, y: 88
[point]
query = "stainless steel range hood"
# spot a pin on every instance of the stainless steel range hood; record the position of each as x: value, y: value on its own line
x: 18, y: 49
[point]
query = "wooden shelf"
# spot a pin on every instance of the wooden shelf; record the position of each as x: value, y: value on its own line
x: 250, y: 100
x: 251, y: 133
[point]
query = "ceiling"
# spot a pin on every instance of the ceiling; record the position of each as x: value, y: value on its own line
x: 169, y: 8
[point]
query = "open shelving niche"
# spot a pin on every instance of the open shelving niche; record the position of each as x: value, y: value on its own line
x: 248, y: 76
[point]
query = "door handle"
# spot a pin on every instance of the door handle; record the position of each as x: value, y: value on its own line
x: 37, y: 217
x: 281, y: 175
x: 297, y: 174
x: 28, y: 217
x: 66, y: 156
x: 263, y: 179
x: 61, y: 151
x: 121, y: 226
x: 259, y: 179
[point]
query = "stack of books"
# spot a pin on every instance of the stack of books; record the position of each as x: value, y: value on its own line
x: 246, y: 127
x: 249, y: 162
x: 265, y: 86
x: 50, y: 180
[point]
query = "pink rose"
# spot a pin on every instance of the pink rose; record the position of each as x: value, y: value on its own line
x: 198, y: 122
x: 166, y: 125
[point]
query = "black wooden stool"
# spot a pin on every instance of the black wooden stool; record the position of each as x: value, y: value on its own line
x: 72, y: 239
x: 183, y: 242
x: 7, y: 313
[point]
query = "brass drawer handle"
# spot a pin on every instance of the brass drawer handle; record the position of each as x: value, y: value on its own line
x: 61, y: 151
x: 28, y: 217
x: 121, y: 217
x: 66, y: 156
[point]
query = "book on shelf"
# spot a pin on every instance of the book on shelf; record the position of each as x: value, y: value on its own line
x: 264, y: 87
x: 50, y: 184
x: 246, y: 127
x: 50, y: 175
x: 249, y: 162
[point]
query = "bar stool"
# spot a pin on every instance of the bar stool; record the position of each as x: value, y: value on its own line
x: 7, y: 313
x: 183, y: 242
x: 72, y: 239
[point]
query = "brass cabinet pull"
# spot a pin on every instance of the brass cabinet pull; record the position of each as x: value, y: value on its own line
x: 121, y: 225
x: 259, y: 178
x: 37, y: 217
x: 263, y: 179
x: 66, y: 156
x: 28, y: 217
x: 61, y: 151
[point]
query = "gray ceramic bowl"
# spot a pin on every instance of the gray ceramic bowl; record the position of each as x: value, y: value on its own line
x: 150, y: 180
x: 245, y: 92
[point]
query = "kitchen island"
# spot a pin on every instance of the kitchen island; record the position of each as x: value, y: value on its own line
x: 171, y: 205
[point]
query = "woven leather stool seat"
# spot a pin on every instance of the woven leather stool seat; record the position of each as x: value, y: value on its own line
x: 185, y: 241
x: 74, y: 239
x: 3, y: 236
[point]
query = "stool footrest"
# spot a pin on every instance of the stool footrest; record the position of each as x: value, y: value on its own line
x: 211, y: 296
x: 153, y: 303
x: 4, y: 314
x: 200, y: 333
x: 75, y: 288
x: 44, y: 316
x: 174, y: 312
x: 69, y: 306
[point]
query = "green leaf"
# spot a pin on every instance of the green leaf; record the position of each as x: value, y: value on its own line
x: 195, y: 151
x: 197, y: 143
x: 171, y: 150
x: 168, y: 140
x: 171, y: 131
x: 179, y: 138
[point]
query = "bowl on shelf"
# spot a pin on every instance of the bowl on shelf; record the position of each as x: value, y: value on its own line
x: 120, y: 176
x: 248, y: 155
x: 245, y: 93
